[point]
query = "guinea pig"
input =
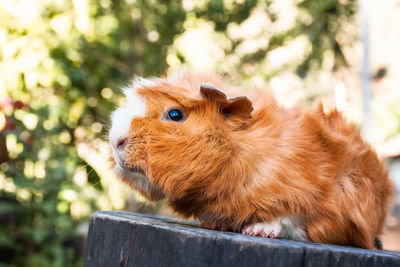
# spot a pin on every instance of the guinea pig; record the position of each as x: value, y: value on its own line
x: 246, y: 164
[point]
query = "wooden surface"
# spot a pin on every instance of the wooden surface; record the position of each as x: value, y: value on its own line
x: 129, y: 239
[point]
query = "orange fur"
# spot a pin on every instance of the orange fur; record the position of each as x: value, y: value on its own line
x: 278, y: 162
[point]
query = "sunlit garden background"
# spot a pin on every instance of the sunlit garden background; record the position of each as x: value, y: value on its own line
x: 62, y: 63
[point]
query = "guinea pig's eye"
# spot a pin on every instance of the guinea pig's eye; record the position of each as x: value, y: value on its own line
x: 175, y: 114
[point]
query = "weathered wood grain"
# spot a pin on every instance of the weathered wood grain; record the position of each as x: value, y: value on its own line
x: 129, y: 239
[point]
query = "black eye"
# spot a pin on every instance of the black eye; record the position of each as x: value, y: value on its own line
x: 175, y: 115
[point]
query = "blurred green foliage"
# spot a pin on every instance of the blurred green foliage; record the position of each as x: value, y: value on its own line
x: 60, y: 58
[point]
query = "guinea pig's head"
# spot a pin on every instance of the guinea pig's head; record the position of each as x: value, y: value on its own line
x: 177, y: 131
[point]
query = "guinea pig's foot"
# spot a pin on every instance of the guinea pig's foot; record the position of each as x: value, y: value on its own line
x: 271, y: 230
x: 211, y: 225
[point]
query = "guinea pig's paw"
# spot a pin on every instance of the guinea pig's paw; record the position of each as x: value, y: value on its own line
x: 212, y: 225
x: 265, y: 229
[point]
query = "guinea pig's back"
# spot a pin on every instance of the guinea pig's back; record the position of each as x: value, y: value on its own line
x: 363, y: 188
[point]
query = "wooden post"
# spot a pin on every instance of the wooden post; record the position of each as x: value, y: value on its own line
x: 129, y: 239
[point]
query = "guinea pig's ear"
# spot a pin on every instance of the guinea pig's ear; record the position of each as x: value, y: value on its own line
x: 210, y: 92
x: 239, y: 107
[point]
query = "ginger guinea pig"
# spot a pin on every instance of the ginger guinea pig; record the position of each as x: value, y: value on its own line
x: 247, y: 164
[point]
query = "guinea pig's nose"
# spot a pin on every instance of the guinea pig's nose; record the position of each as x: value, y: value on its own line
x: 121, y: 143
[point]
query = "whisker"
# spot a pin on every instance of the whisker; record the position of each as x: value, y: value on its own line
x: 97, y: 182
x: 84, y: 166
x: 90, y: 171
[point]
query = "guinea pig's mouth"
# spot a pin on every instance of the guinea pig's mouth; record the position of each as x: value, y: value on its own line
x: 135, y: 169
x: 121, y: 164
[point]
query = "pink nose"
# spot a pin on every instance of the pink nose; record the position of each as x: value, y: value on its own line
x: 121, y: 143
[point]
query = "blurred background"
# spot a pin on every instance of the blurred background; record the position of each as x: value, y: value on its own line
x: 62, y: 63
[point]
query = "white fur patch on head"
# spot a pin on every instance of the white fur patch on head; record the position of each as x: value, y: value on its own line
x: 120, y: 123
x: 134, y: 107
x: 134, y: 103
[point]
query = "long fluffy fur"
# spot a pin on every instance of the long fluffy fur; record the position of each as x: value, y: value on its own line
x: 277, y: 163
